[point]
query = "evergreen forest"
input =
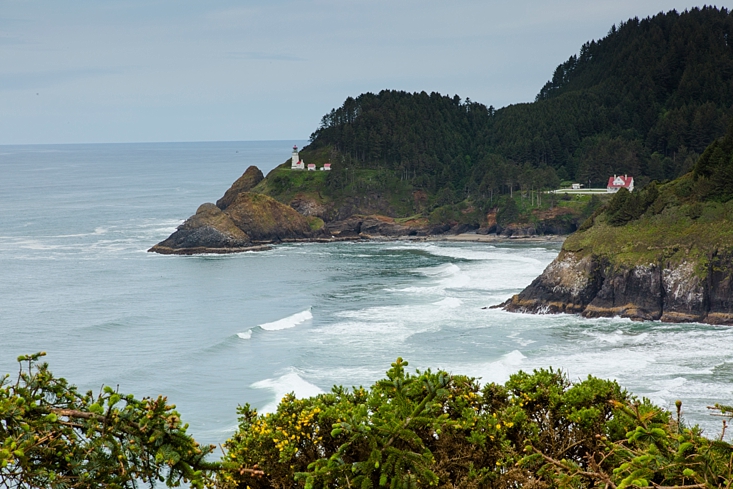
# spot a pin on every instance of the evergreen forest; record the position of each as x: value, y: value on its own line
x: 645, y: 100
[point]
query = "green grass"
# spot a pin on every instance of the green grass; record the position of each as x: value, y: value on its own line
x: 283, y: 184
x: 671, y: 235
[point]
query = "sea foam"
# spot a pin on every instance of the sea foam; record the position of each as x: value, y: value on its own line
x: 449, y: 302
x: 290, y: 382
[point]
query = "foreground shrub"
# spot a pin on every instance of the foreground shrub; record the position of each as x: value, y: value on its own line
x: 52, y: 436
x: 427, y: 429
x: 434, y: 429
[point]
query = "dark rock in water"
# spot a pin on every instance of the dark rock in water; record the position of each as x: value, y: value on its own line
x: 628, y: 292
x: 556, y: 226
x: 719, y: 288
x: 372, y: 226
x: 208, y: 228
x: 350, y: 227
x: 568, y: 285
x: 463, y: 228
x: 251, y: 177
x: 439, y: 229
x: 518, y: 231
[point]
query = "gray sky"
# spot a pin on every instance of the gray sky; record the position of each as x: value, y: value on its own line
x: 193, y: 70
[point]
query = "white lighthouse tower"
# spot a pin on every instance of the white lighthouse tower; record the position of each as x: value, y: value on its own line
x: 296, y: 164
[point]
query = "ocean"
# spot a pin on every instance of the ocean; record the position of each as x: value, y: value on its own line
x: 214, y: 332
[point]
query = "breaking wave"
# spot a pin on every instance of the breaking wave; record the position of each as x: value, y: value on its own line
x: 280, y: 386
x: 288, y: 322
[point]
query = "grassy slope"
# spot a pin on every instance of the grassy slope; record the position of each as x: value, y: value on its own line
x: 404, y: 202
x: 673, y: 228
x: 283, y: 184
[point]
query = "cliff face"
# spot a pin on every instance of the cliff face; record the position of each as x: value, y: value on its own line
x: 251, y: 177
x: 265, y: 219
x: 207, y: 230
x: 662, y: 253
x: 248, y: 222
x: 668, y: 291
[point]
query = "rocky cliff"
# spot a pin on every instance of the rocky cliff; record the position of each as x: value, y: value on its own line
x: 240, y: 221
x: 249, y: 179
x: 208, y: 231
x: 663, y: 253
x: 670, y: 291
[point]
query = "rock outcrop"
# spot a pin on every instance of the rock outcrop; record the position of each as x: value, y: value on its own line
x: 251, y: 177
x: 670, y: 291
x: 311, y: 208
x: 266, y: 220
x: 209, y: 230
x: 248, y: 222
x: 372, y: 226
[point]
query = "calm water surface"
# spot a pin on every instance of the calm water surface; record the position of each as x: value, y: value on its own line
x: 212, y: 332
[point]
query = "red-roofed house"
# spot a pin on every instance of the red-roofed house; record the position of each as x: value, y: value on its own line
x: 617, y: 181
x: 311, y: 167
x: 326, y: 167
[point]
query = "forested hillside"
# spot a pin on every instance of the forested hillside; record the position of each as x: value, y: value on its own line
x: 644, y: 100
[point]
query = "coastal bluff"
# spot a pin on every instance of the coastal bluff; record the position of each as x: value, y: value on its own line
x: 662, y: 253
x: 672, y: 291
x: 247, y: 220
x: 240, y: 221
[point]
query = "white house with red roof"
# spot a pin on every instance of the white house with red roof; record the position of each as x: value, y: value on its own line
x: 297, y: 163
x: 326, y: 167
x: 617, y: 182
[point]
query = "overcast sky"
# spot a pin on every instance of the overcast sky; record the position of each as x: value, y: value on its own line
x: 193, y: 70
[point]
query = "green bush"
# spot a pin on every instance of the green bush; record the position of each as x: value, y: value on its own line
x: 53, y: 436
x: 409, y: 430
x: 435, y: 429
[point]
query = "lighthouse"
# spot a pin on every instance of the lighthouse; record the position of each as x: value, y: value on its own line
x: 296, y: 164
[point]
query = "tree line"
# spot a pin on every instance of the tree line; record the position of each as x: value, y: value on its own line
x: 645, y: 100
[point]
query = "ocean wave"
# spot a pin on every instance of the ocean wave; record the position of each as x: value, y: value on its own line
x: 280, y: 386
x: 246, y: 335
x: 619, y: 337
x: 288, y: 322
x: 497, y: 371
x: 366, y: 334
x: 444, y: 270
x: 468, y: 254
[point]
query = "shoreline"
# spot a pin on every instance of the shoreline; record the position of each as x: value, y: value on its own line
x: 460, y: 238
x: 494, y: 238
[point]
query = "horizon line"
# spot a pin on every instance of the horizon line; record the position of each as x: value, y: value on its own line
x: 157, y: 142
